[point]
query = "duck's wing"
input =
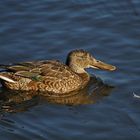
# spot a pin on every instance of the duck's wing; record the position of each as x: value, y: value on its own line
x: 25, y: 69
x: 50, y: 72
x: 46, y: 70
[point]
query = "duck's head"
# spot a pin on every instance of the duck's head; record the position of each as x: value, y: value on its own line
x: 78, y: 60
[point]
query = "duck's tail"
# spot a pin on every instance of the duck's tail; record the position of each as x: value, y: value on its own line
x: 6, y: 78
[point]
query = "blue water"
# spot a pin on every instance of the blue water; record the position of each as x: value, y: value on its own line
x: 49, y: 29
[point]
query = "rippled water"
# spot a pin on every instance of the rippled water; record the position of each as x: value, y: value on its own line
x: 49, y: 29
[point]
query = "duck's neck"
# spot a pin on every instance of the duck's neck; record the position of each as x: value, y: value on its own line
x: 82, y: 73
x: 79, y: 71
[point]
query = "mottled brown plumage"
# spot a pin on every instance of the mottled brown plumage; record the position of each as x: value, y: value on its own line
x: 52, y: 75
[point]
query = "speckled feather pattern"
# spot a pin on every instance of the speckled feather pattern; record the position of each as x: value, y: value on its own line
x: 49, y: 75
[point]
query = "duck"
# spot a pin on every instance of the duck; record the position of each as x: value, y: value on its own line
x: 52, y: 75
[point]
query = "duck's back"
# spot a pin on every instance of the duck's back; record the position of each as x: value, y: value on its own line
x: 49, y: 75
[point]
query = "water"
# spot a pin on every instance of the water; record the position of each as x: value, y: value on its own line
x: 49, y: 29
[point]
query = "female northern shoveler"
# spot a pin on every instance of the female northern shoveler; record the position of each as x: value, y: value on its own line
x: 52, y: 75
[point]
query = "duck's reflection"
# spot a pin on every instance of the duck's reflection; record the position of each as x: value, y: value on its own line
x: 15, y: 101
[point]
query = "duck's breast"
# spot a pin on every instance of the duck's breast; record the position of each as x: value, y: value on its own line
x: 59, y: 78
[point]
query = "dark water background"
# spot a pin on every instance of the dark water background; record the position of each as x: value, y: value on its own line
x: 49, y: 29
